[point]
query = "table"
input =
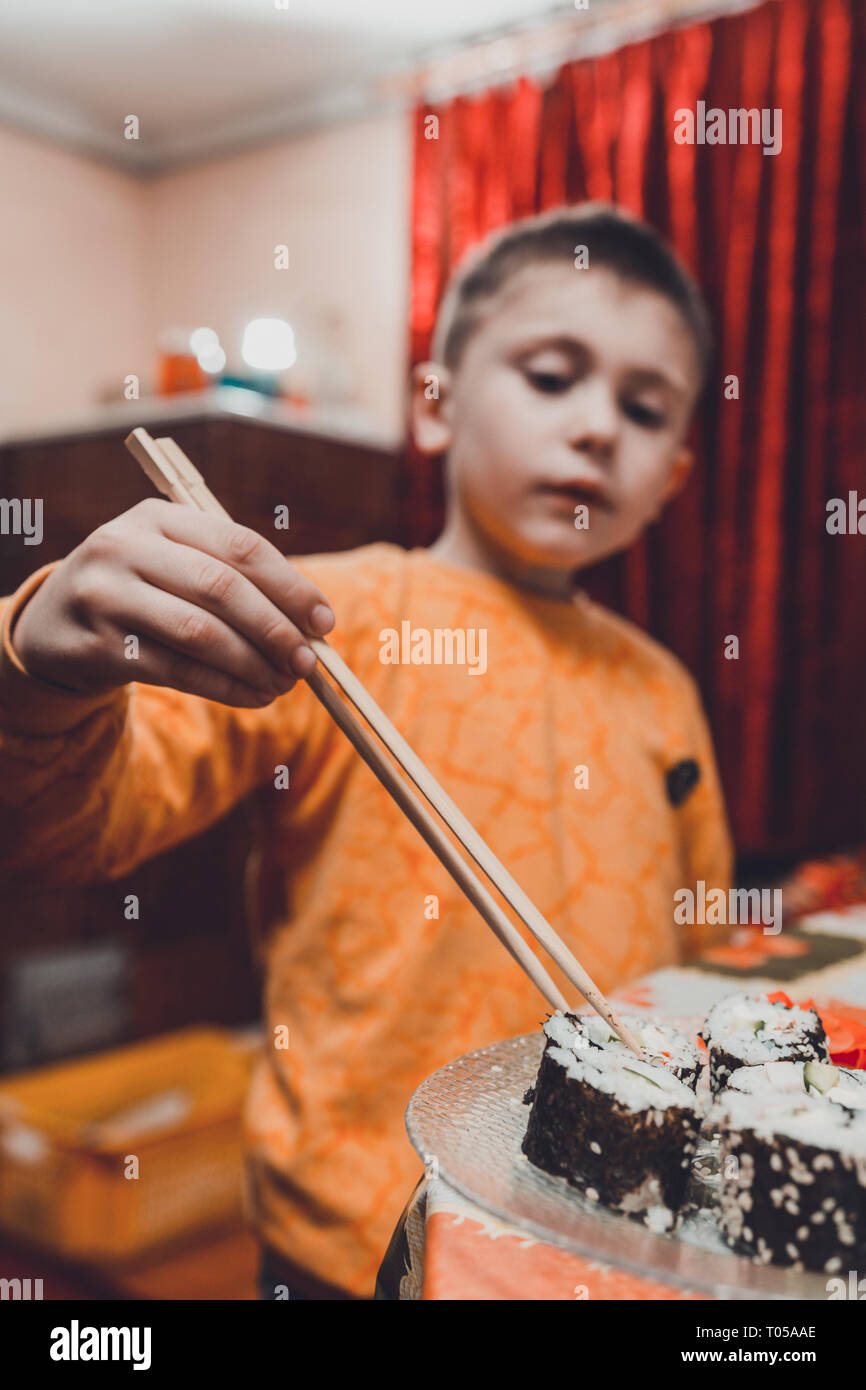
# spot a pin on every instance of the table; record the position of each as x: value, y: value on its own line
x: 445, y: 1247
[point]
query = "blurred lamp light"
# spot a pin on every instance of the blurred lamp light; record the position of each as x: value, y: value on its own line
x: 202, y: 340
x: 269, y: 345
x: 212, y: 359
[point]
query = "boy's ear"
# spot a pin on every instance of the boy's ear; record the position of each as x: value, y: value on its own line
x: 429, y: 407
x: 679, y: 475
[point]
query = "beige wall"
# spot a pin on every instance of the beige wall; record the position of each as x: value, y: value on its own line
x: 96, y: 264
x: 71, y: 291
x: 339, y: 200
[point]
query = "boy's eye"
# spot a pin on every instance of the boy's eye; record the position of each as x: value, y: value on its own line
x: 549, y: 382
x: 645, y: 415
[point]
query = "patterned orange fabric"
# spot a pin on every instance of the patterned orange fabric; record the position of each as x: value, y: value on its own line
x: 375, y: 964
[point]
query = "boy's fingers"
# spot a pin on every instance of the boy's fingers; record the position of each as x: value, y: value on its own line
x: 247, y: 551
x: 156, y: 616
x: 211, y: 584
x: 159, y: 665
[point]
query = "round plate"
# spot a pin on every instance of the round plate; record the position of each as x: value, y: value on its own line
x: 470, y: 1118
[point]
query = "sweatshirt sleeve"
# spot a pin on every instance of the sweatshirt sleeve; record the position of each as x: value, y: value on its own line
x: 91, y: 786
x: 707, y: 847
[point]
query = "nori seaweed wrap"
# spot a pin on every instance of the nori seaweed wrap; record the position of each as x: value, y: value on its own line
x: 620, y: 1130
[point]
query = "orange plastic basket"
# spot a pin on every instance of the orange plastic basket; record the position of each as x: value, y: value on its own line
x: 105, y: 1158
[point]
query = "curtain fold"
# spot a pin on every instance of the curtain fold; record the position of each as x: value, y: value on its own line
x: 777, y: 244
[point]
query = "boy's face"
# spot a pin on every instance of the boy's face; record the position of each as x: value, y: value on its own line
x: 574, y: 390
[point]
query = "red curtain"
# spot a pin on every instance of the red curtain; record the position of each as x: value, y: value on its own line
x: 776, y: 241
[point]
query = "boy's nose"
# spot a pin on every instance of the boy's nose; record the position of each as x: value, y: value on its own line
x: 594, y: 422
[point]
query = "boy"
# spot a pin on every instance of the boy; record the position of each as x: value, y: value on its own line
x: 562, y: 396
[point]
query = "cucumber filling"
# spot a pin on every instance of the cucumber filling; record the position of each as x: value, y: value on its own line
x: 821, y: 1076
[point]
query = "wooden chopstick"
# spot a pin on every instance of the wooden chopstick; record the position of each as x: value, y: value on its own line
x: 168, y: 468
x: 176, y: 476
x: 424, y: 823
x: 465, y: 832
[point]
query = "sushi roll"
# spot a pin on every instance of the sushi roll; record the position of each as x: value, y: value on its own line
x: 792, y: 1179
x: 745, y: 1030
x: 584, y: 1034
x: 620, y: 1130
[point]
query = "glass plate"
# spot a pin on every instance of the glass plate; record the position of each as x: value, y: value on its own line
x: 470, y: 1119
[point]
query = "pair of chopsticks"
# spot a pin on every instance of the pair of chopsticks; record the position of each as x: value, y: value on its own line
x: 174, y: 475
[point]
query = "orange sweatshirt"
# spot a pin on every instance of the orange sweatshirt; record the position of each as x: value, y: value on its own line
x: 377, y: 969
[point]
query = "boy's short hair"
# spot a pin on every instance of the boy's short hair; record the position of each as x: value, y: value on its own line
x: 613, y: 239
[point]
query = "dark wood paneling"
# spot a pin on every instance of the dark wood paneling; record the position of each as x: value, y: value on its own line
x: 192, y: 956
x: 339, y: 494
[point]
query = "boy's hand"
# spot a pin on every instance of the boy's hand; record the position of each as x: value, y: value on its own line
x: 217, y: 610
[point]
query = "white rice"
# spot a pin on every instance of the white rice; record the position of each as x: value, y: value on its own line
x: 772, y: 1079
x: 636, y: 1085
x: 591, y: 1032
x: 810, y: 1119
x: 750, y: 1027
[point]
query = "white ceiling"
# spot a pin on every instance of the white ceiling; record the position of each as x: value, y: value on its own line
x: 204, y: 76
